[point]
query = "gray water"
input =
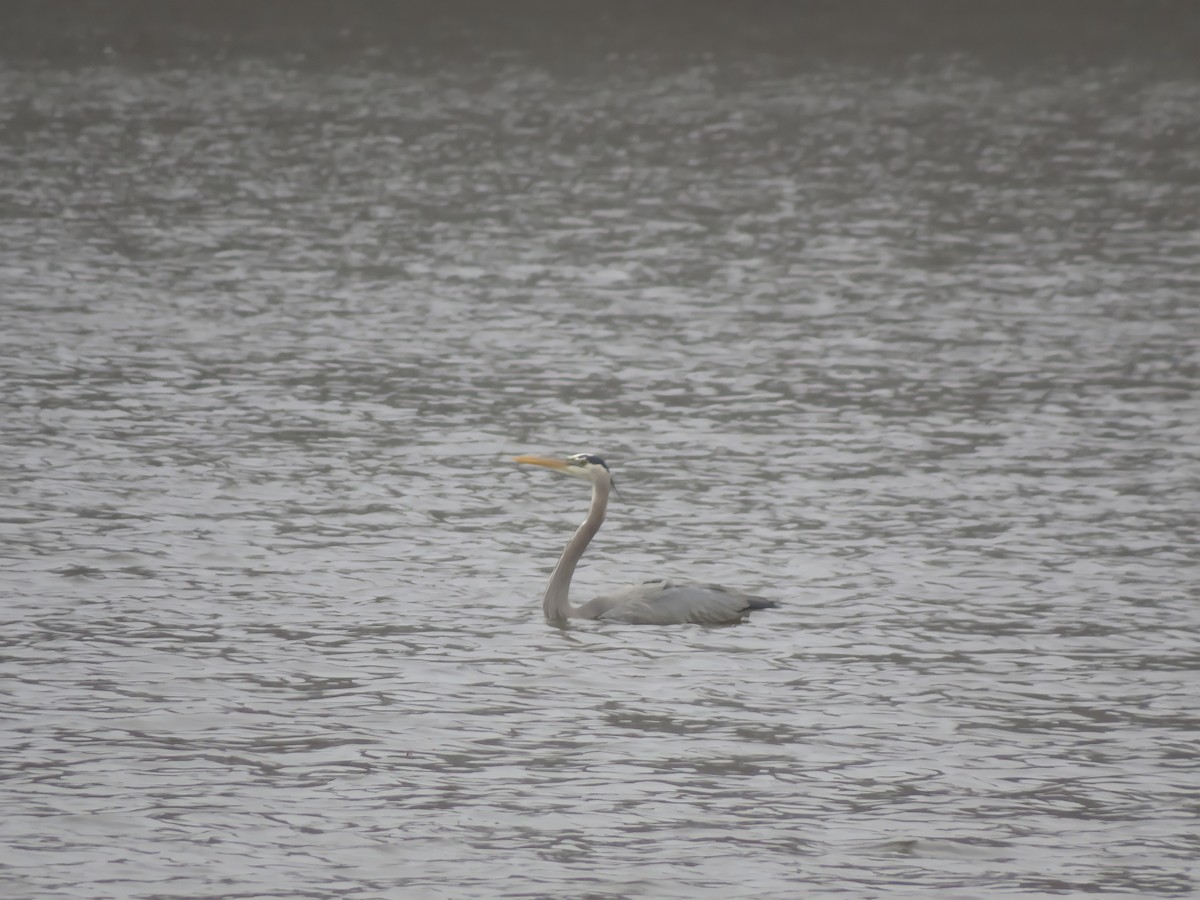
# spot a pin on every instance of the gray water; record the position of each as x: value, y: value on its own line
x: 903, y: 333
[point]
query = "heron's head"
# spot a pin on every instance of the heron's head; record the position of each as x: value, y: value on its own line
x: 582, y: 465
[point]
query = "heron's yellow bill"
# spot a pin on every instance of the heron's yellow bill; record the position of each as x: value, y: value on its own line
x: 546, y: 461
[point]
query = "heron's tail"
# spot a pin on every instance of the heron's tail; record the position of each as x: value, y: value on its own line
x: 760, y: 603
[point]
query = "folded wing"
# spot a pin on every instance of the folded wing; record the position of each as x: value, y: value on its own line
x: 666, y: 603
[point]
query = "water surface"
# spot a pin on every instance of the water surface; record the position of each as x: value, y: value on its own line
x: 897, y: 325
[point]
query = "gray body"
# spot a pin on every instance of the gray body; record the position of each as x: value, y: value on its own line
x: 664, y: 602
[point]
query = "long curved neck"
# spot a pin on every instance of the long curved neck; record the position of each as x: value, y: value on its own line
x: 555, y: 604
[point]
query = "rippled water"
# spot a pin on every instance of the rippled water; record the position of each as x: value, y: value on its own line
x: 912, y: 346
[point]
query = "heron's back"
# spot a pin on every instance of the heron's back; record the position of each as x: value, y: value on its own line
x: 664, y: 602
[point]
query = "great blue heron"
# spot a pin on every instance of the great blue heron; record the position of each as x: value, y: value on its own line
x: 659, y: 602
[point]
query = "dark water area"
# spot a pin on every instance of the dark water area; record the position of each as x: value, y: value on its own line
x: 587, y: 34
x: 887, y: 312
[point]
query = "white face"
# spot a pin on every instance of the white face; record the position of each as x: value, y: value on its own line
x: 586, y: 465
